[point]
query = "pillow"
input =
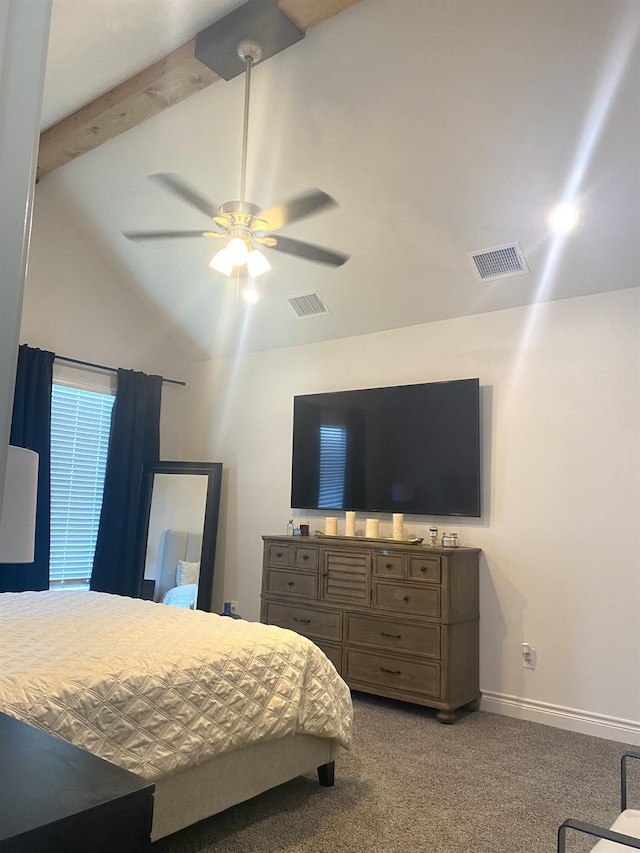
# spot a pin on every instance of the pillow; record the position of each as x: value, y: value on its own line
x: 187, y: 572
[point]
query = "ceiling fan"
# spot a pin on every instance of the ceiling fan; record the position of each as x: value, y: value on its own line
x: 242, y: 225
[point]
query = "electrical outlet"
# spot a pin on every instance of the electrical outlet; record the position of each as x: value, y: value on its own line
x: 528, y: 656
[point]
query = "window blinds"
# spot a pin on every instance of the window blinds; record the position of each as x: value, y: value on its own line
x: 80, y: 427
x: 333, y: 462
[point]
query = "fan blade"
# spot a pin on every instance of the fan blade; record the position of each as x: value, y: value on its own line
x: 307, y: 251
x: 296, y: 208
x: 179, y: 187
x: 143, y: 236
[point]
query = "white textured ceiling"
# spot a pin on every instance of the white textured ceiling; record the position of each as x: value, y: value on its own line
x: 442, y: 127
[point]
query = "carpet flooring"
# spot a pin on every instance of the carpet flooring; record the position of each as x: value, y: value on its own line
x: 488, y: 784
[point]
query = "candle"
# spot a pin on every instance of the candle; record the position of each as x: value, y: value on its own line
x: 331, y: 526
x: 398, y: 520
x: 350, y: 524
x: 372, y: 528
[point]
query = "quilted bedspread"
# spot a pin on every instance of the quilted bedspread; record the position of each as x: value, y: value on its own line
x: 156, y: 689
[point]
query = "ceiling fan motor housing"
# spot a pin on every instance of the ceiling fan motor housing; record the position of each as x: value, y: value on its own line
x: 238, y: 214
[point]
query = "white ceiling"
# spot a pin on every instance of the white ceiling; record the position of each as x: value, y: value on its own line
x: 442, y: 127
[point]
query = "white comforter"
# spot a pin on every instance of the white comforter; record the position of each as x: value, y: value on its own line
x: 156, y: 689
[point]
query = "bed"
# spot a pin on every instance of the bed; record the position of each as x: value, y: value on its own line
x: 178, y: 569
x: 213, y: 710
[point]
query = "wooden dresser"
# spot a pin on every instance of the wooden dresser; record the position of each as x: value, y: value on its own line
x: 396, y: 619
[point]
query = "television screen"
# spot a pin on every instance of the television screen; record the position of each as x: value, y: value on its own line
x: 407, y: 448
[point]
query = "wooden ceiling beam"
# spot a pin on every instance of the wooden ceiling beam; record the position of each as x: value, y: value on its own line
x: 173, y: 78
x: 307, y: 13
x: 140, y: 97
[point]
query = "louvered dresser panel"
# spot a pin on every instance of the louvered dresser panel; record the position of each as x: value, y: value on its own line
x: 346, y: 577
x: 395, y: 619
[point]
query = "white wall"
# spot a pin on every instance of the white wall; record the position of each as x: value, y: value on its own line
x: 76, y: 305
x: 24, y: 31
x: 561, y: 548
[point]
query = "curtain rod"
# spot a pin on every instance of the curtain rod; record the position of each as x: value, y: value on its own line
x: 110, y: 369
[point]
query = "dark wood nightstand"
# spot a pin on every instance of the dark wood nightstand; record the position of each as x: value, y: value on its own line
x: 58, y: 798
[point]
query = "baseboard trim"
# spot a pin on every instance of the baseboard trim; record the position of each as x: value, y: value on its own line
x: 571, y: 719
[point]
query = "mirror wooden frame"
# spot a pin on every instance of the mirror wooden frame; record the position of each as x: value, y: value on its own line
x: 213, y: 472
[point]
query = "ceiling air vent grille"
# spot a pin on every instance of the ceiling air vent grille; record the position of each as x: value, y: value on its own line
x: 499, y: 262
x: 308, y: 305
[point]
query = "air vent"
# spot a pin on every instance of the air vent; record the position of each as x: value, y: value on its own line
x: 499, y: 262
x: 308, y: 305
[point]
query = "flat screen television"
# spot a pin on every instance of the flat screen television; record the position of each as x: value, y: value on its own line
x: 408, y: 448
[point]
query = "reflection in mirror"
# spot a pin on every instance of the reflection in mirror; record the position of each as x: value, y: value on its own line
x: 178, y: 545
x: 174, y: 538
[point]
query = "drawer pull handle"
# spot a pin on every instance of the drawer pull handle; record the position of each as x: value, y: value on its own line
x: 304, y: 621
x: 278, y: 553
x: 405, y: 598
x: 325, y: 574
x: 305, y: 556
x: 390, y: 671
x: 388, y: 565
x: 392, y: 636
x: 291, y: 583
x: 423, y: 568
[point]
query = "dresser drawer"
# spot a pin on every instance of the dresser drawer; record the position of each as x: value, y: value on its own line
x: 425, y: 568
x: 305, y: 557
x: 388, y: 565
x: 422, y: 600
x: 278, y: 555
x: 333, y: 652
x: 323, y: 624
x: 393, y: 634
x: 392, y: 672
x: 283, y: 582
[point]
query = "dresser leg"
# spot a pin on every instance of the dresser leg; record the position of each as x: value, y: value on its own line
x: 472, y: 706
x: 446, y: 717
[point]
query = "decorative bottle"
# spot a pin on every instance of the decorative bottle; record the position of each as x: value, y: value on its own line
x: 290, y: 527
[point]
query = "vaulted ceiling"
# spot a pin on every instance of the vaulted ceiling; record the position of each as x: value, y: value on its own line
x: 442, y: 128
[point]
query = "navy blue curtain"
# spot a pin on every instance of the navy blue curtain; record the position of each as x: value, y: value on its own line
x: 31, y: 428
x: 134, y: 440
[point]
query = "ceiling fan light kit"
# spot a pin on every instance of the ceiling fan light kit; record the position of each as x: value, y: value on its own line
x: 221, y: 262
x: 241, y: 223
x: 257, y: 264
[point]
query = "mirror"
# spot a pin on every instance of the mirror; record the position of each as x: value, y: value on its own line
x: 179, y: 526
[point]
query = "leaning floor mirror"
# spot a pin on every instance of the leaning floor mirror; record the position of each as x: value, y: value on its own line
x: 179, y: 527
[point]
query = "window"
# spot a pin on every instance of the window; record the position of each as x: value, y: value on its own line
x: 333, y: 460
x: 80, y: 427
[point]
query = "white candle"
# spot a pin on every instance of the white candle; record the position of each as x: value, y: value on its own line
x: 331, y: 525
x: 350, y: 524
x: 398, y: 521
x: 372, y: 528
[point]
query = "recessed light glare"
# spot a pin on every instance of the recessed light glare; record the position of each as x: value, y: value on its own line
x: 564, y: 218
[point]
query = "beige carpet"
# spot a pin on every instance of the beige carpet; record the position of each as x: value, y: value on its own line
x: 488, y: 784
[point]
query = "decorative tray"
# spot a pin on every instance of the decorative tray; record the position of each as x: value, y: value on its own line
x: 413, y: 541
